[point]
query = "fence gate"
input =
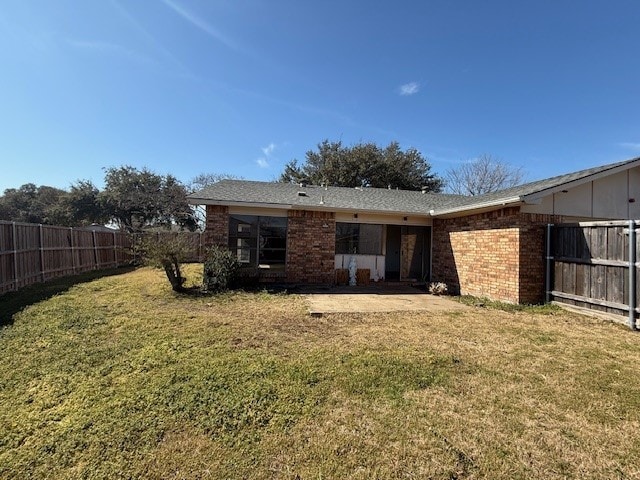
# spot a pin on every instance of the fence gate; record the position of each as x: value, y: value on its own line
x: 595, y: 265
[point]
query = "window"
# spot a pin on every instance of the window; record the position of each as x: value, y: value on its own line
x: 259, y: 241
x: 358, y: 238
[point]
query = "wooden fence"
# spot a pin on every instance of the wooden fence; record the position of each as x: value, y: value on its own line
x: 595, y: 265
x: 31, y: 253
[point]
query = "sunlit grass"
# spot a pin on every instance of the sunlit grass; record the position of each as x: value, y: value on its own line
x: 119, y: 377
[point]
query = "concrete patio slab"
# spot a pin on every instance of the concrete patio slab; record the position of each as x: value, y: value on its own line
x: 376, y: 299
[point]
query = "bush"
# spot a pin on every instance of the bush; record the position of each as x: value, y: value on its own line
x: 220, y: 269
x: 166, y: 253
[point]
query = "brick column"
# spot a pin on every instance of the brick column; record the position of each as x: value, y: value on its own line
x: 311, y: 246
x: 217, y: 226
x: 498, y: 254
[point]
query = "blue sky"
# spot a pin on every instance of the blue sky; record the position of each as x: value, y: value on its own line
x: 242, y: 87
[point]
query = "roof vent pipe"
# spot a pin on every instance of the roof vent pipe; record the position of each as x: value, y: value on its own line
x: 321, y: 199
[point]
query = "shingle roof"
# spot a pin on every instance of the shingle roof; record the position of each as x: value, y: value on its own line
x: 285, y: 195
x: 520, y: 192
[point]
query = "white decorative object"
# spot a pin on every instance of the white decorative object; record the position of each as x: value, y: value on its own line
x: 353, y: 267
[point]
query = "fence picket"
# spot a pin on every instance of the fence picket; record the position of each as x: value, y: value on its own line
x: 31, y: 253
x: 593, y: 266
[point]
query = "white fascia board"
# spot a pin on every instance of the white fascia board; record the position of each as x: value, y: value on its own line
x: 503, y: 202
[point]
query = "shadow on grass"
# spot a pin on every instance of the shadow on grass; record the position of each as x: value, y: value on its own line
x: 13, y: 302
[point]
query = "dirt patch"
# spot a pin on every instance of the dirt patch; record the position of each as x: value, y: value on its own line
x: 396, y: 299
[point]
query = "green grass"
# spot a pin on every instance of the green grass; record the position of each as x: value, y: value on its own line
x: 546, y: 309
x: 119, y: 377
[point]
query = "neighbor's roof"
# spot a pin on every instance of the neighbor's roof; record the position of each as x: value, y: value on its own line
x: 381, y: 200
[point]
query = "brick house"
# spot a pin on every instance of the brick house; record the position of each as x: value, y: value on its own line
x: 488, y: 245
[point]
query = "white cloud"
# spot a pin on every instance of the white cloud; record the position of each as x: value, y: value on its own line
x: 410, y: 88
x: 630, y: 145
x: 262, y: 162
x: 268, y: 150
x: 200, y: 23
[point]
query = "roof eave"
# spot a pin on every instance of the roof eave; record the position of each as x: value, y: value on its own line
x: 315, y: 208
x: 475, y: 207
x: 536, y: 197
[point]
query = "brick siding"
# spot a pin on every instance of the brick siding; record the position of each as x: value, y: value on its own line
x: 311, y: 246
x: 497, y: 254
x: 217, y: 226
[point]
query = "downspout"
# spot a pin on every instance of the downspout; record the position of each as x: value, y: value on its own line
x: 549, y: 258
x: 632, y: 275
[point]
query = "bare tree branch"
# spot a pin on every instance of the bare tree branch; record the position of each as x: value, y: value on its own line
x: 483, y: 175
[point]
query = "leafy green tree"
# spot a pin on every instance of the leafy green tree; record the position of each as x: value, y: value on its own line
x: 33, y: 204
x: 136, y: 199
x: 82, y: 204
x: 364, y: 164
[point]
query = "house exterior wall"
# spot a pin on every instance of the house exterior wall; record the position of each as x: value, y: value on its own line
x: 217, y: 226
x: 311, y: 246
x: 615, y: 197
x: 497, y: 254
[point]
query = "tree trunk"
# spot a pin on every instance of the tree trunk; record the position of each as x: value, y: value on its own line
x: 173, y: 274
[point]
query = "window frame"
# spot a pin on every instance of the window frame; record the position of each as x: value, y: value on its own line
x: 251, y: 236
x: 353, y: 243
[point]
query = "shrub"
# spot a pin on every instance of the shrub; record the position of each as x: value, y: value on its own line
x: 220, y: 269
x: 166, y: 253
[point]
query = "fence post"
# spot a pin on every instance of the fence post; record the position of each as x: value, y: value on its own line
x: 632, y: 274
x: 15, y: 255
x: 95, y: 250
x: 115, y: 250
x: 73, y: 255
x: 547, y: 280
x: 41, y: 252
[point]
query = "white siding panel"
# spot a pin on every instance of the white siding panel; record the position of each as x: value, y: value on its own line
x: 611, y: 196
x: 545, y: 206
x: 634, y: 193
x: 575, y: 202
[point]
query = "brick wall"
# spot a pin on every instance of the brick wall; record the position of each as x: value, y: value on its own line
x: 217, y: 226
x: 497, y: 254
x: 311, y: 245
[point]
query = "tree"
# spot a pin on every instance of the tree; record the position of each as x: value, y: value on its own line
x: 364, y: 164
x: 136, y: 199
x: 168, y: 254
x: 204, y: 180
x: 82, y: 204
x: 33, y: 204
x: 483, y: 175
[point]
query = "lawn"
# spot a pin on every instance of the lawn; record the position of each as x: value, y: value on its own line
x: 118, y: 377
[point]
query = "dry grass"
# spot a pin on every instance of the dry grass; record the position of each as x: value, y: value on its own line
x: 121, y: 378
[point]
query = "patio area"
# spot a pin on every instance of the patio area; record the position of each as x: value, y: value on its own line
x: 375, y: 298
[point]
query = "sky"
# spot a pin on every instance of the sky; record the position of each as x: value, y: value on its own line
x: 242, y: 87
